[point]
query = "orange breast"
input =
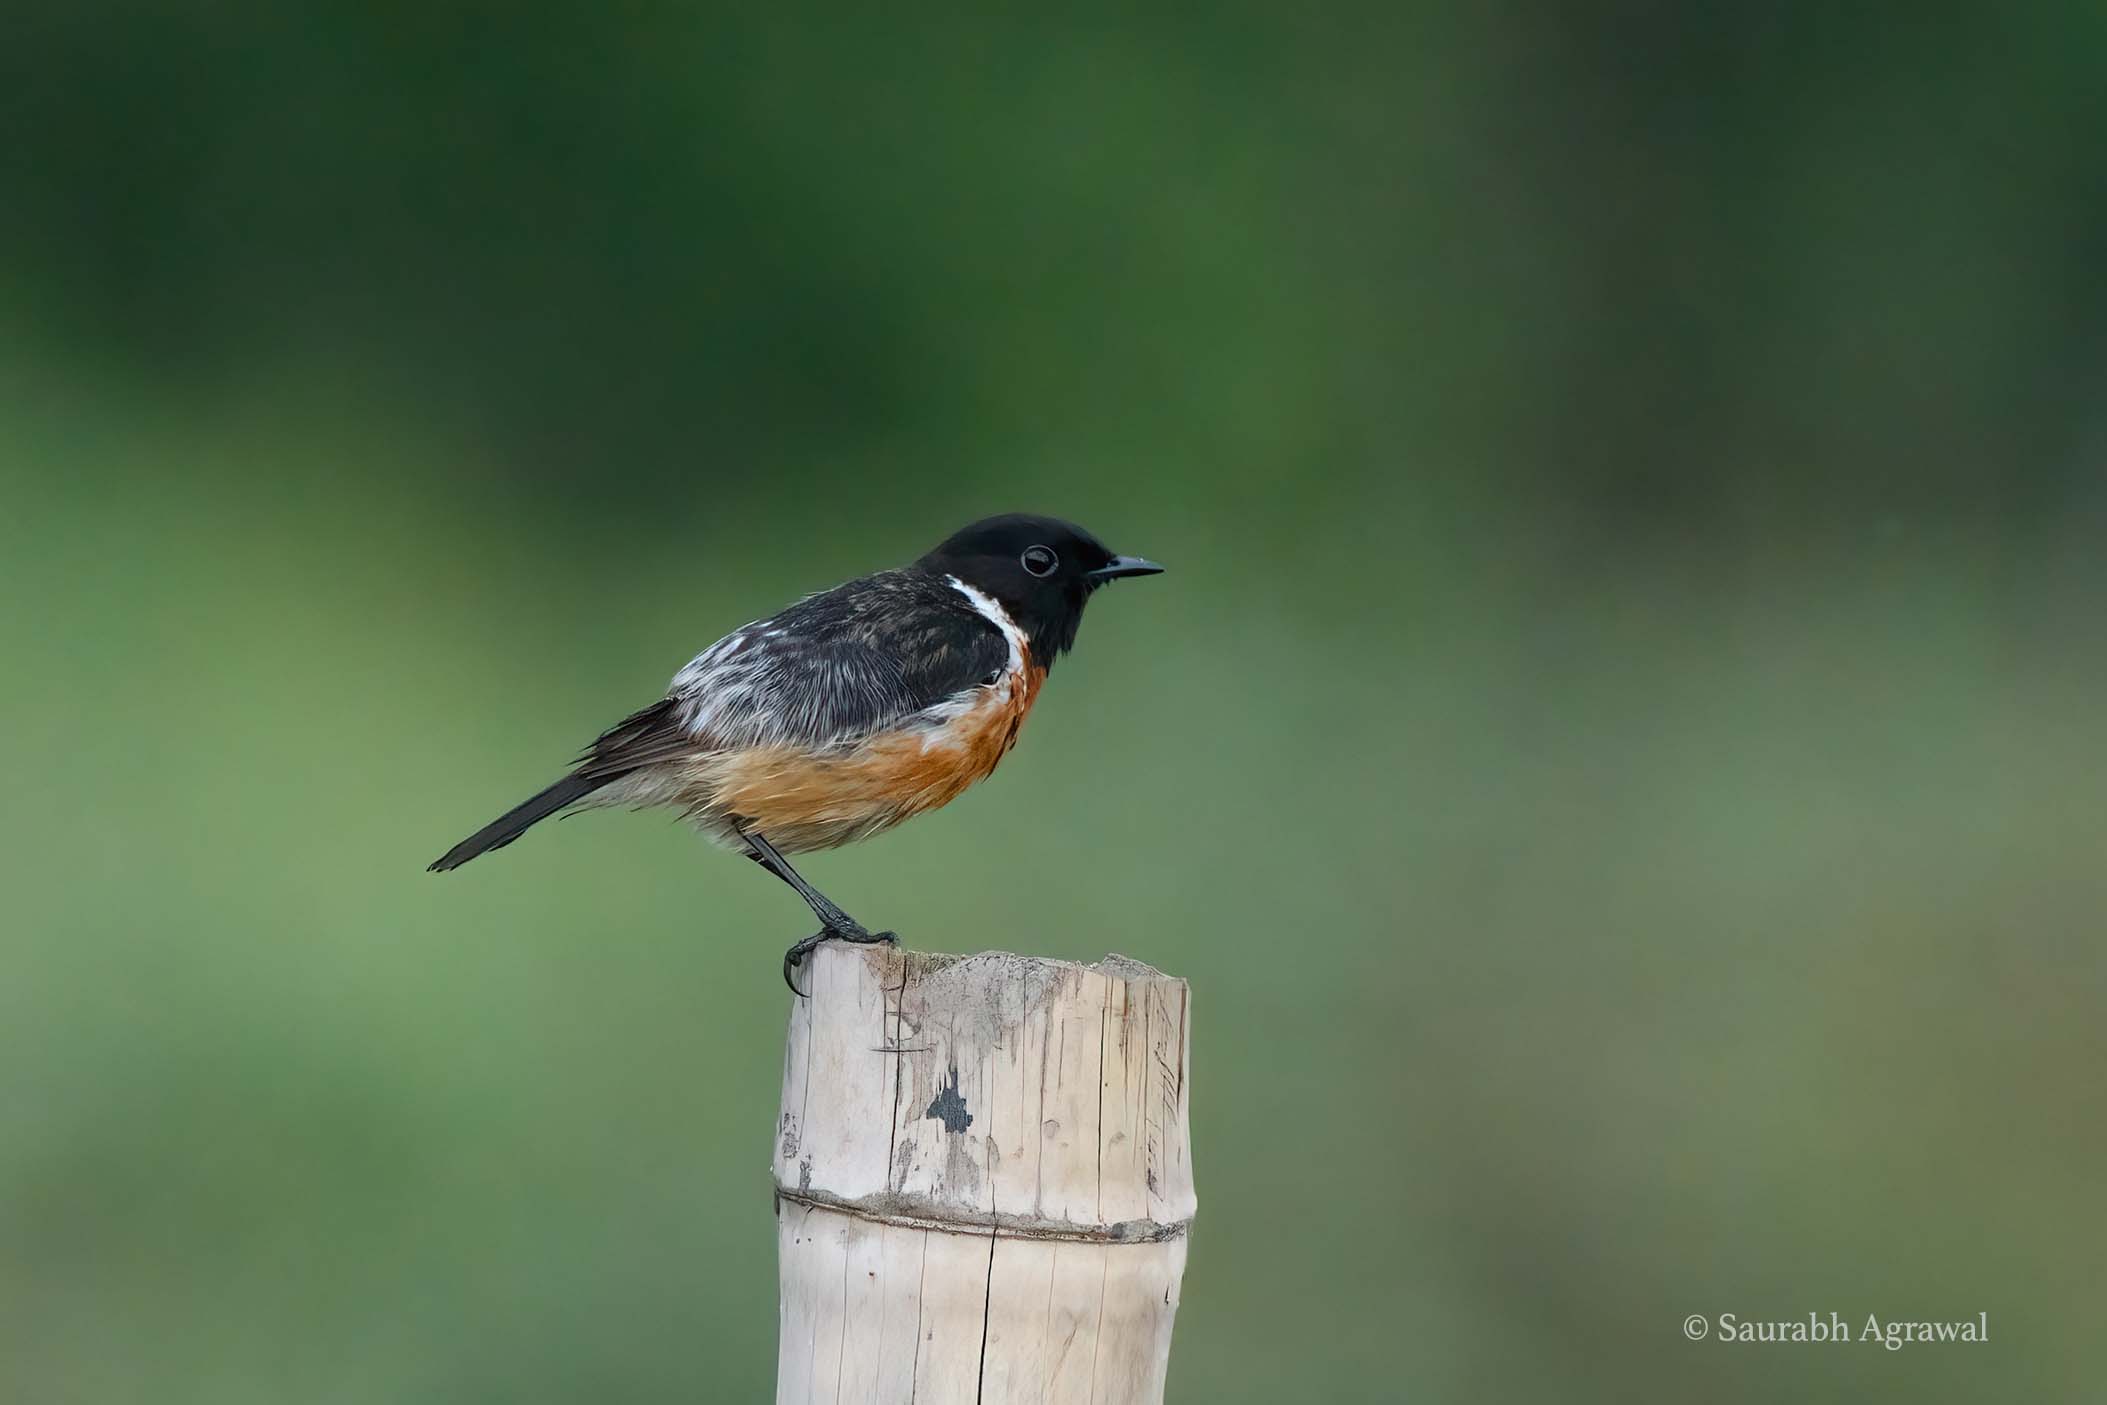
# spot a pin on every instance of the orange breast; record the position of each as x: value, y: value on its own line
x: 803, y: 801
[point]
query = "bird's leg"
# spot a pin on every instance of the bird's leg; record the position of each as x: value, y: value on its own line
x: 831, y: 917
x: 835, y: 924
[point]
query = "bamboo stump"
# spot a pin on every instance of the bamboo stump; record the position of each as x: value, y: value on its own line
x: 982, y: 1180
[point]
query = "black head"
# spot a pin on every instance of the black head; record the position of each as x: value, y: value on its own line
x: 1041, y: 570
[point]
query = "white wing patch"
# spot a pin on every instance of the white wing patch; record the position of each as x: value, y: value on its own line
x: 728, y: 682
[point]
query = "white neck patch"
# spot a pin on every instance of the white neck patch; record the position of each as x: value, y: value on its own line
x: 994, y: 614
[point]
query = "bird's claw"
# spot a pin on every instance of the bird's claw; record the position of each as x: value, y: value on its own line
x: 795, y: 957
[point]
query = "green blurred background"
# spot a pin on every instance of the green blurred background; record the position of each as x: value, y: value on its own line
x: 1618, y: 754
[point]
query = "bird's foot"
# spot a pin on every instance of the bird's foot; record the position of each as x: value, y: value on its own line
x: 871, y: 938
x: 795, y: 957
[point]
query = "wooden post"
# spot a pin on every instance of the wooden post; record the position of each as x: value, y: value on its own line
x: 982, y: 1180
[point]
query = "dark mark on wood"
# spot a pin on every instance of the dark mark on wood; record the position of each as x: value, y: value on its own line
x: 949, y: 1108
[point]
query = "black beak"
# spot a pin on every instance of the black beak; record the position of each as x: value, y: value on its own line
x: 1123, y: 566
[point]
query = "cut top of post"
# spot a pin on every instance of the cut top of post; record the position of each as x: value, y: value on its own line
x: 1040, y: 1098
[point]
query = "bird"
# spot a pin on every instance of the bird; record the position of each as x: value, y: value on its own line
x: 850, y: 711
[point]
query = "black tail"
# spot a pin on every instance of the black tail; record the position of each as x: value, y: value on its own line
x: 518, y: 820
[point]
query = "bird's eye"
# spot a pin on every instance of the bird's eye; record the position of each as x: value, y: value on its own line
x: 1040, y: 560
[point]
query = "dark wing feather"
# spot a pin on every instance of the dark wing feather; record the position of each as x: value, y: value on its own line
x: 642, y: 738
x: 841, y: 665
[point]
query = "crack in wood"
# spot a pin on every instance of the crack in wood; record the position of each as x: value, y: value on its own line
x: 911, y: 1212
